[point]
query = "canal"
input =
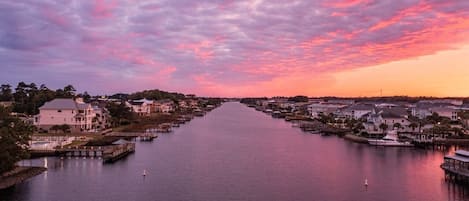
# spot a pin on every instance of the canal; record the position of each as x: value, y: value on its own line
x: 236, y: 153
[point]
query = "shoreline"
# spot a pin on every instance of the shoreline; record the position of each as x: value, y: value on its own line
x: 19, y: 175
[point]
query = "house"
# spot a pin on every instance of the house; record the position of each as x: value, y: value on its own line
x: 164, y: 106
x: 448, y: 112
x: 388, y: 116
x: 357, y: 111
x: 323, y: 108
x: 141, y: 107
x: 425, y: 109
x: 102, y: 119
x: 75, y: 113
x: 392, y: 119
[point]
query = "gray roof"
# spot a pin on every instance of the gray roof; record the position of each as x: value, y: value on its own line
x: 462, y: 153
x: 64, y: 104
x: 390, y: 115
x: 399, y: 111
x: 360, y: 107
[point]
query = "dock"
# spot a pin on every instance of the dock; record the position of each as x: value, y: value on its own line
x: 456, y: 167
x: 109, y: 153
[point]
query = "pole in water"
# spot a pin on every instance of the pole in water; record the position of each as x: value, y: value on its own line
x: 366, y: 182
x: 144, y: 173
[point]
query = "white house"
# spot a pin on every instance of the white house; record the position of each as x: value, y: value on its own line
x: 324, y: 108
x: 141, y: 107
x: 388, y: 116
x: 75, y: 113
x: 357, y: 111
x: 164, y: 106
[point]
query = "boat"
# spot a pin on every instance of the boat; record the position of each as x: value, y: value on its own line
x: 391, y: 140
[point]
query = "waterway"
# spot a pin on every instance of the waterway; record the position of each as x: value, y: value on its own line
x: 235, y: 153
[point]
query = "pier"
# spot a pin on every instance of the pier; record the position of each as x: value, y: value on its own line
x: 456, y: 166
x: 109, y: 153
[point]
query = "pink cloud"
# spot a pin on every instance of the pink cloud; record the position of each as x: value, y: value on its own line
x: 346, y: 3
x: 222, y: 46
x: 103, y: 8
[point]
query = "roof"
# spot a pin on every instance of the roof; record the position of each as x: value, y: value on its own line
x: 60, y: 103
x: 396, y: 111
x: 64, y: 104
x: 442, y: 109
x: 143, y: 101
x: 135, y: 103
x: 459, y: 158
x: 360, y: 107
x: 462, y: 153
x: 390, y: 115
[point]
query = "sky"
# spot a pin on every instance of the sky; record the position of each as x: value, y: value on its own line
x: 239, y: 47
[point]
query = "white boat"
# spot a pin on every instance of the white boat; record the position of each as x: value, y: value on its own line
x: 391, y: 140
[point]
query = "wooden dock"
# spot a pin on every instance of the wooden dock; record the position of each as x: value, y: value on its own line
x: 459, y: 175
x: 456, y: 166
x: 108, y: 153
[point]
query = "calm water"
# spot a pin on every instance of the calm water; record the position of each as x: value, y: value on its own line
x: 237, y: 153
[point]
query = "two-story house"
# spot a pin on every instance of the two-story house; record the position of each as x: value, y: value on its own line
x: 75, y: 113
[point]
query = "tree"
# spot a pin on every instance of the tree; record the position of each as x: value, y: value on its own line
x: 120, y: 113
x: 397, y: 125
x: 358, y: 127
x: 14, y: 137
x: 413, y: 125
x: 6, y: 93
x: 65, y: 128
x: 67, y: 92
x: 383, y: 127
x: 55, y: 128
x: 298, y: 99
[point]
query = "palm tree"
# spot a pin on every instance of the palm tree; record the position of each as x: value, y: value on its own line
x: 383, y: 127
x: 413, y: 125
x: 397, y: 125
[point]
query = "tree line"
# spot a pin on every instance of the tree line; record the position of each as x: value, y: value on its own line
x: 14, y: 137
x: 27, y: 98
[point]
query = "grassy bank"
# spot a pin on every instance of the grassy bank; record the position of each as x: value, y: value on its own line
x: 143, y: 123
x: 355, y: 138
x: 18, y: 175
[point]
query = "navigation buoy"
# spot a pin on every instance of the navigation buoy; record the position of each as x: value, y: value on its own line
x: 366, y: 182
x: 144, y: 173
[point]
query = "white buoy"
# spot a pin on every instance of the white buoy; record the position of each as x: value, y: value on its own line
x: 366, y: 182
x: 144, y: 173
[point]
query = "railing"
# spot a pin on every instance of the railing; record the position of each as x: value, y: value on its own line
x: 455, y: 169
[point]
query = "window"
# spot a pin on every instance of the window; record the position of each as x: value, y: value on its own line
x: 59, y: 110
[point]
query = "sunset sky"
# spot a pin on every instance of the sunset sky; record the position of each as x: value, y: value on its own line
x: 239, y: 47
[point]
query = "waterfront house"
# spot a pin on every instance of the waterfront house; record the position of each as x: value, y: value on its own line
x: 457, y: 166
x: 75, y: 113
x: 141, y: 107
x: 357, y: 111
x: 388, y: 116
x: 102, y: 119
x: 164, y: 106
x: 323, y: 108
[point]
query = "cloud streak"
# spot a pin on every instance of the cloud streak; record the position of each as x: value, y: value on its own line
x: 219, y: 47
